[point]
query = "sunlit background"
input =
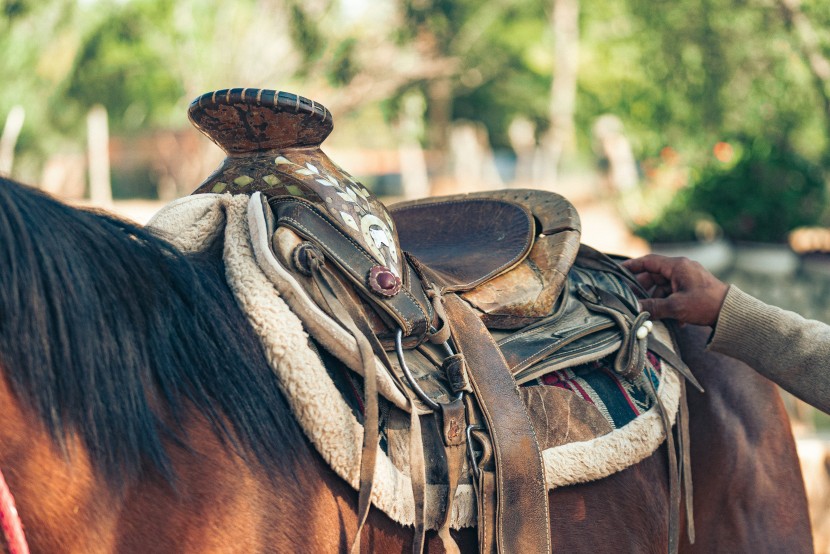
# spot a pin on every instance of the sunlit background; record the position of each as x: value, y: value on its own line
x: 696, y: 127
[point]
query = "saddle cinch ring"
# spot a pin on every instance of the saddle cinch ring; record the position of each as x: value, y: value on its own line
x: 410, y: 378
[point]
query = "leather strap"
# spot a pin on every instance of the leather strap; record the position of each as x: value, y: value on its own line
x: 674, y: 481
x: 654, y: 344
x: 354, y: 320
x: 452, y: 414
x: 522, y: 518
x: 667, y: 354
x: 333, y: 292
x: 684, y: 440
x: 486, y: 495
x: 686, y: 461
x: 409, y: 309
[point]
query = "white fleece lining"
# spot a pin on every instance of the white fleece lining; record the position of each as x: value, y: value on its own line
x: 194, y: 222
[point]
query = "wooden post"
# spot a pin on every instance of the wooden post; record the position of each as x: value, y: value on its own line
x: 8, y: 140
x: 414, y: 177
x: 100, y: 186
x: 522, y: 134
x: 560, y: 138
x: 613, y: 147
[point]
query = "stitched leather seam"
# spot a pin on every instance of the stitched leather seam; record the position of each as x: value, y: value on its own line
x: 409, y: 271
x: 551, y: 348
x: 317, y: 212
x: 410, y: 324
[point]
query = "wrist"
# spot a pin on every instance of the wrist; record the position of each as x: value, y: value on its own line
x: 718, y: 297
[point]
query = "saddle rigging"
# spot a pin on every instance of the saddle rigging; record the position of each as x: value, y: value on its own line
x: 456, y: 301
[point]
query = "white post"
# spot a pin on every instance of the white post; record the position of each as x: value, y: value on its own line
x: 100, y: 187
x: 414, y: 176
x: 8, y: 140
x: 562, y: 106
x: 613, y: 145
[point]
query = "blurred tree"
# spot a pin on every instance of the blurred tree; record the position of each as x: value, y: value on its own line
x: 120, y: 66
x: 497, y: 46
x: 810, y: 47
x: 561, y: 136
x: 33, y: 68
x: 689, y: 73
x: 143, y: 60
x: 683, y: 74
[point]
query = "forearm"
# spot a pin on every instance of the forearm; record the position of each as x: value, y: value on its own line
x: 784, y: 347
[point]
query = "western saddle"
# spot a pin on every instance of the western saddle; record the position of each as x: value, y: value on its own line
x: 471, y: 293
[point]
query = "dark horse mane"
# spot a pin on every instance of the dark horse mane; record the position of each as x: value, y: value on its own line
x: 130, y: 335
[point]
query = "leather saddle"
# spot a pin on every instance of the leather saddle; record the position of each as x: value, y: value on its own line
x: 460, y: 299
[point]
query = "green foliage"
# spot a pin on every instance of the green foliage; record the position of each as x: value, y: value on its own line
x: 770, y: 191
x: 305, y: 33
x: 119, y: 67
x: 679, y: 223
x: 502, y: 52
x: 681, y: 74
x: 686, y: 74
x: 343, y: 66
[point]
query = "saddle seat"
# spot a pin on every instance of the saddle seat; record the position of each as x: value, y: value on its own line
x: 508, y: 252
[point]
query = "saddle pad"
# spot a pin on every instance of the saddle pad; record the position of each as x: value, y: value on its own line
x: 195, y: 223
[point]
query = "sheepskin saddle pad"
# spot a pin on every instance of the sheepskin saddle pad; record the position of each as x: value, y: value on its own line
x: 600, y: 383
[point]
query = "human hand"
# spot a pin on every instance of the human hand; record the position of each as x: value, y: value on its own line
x: 681, y: 289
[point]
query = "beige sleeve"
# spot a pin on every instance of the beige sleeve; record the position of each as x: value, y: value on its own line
x: 783, y: 346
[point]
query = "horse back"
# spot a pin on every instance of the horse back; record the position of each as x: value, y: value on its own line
x: 748, y: 488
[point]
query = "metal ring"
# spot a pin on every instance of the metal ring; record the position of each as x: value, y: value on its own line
x: 445, y: 344
x: 432, y: 404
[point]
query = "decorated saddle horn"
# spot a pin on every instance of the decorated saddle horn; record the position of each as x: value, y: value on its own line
x: 273, y: 144
x: 272, y: 140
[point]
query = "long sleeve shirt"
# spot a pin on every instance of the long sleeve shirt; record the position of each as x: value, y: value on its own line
x: 788, y: 349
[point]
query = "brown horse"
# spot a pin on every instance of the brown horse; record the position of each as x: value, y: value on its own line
x: 140, y: 415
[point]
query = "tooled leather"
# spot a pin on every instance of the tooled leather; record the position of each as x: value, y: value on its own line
x: 413, y: 316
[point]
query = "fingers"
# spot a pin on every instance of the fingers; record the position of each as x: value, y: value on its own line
x: 681, y: 289
x: 659, y: 308
x: 663, y: 291
x: 653, y: 263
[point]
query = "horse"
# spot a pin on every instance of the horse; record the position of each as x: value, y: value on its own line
x: 140, y: 415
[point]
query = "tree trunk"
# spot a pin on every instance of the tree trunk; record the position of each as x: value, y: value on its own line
x: 561, y: 135
x: 439, y: 115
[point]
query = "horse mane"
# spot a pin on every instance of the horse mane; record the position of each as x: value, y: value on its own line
x: 108, y: 333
